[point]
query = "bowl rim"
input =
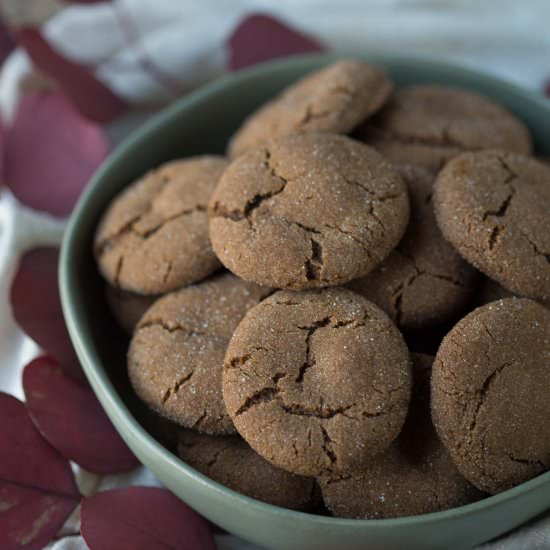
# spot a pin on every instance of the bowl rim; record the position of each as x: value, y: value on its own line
x: 99, y: 380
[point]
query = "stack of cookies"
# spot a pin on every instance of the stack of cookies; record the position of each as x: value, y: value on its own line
x: 293, y: 376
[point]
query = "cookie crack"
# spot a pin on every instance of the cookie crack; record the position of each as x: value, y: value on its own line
x: 534, y: 246
x: 362, y: 244
x: 327, y: 446
x: 527, y: 461
x: 310, y: 115
x: 314, y: 265
x: 152, y: 230
x: 483, y: 392
x: 219, y: 210
x: 157, y: 322
x: 130, y: 226
x: 173, y: 390
x: 239, y: 361
x: 109, y: 241
x: 324, y: 412
x: 397, y: 294
x: 262, y: 396
x: 370, y: 192
x: 309, y: 360
x: 200, y: 420
x: 118, y: 270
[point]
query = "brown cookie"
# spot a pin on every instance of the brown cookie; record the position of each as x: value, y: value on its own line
x: 153, y: 238
x: 127, y: 307
x: 230, y: 461
x: 307, y: 211
x: 176, y: 354
x: 494, y: 207
x: 428, y: 125
x: 317, y: 382
x: 424, y: 281
x: 490, y: 388
x: 334, y: 99
x: 415, y: 475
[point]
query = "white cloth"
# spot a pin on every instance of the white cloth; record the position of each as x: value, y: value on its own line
x: 185, y: 43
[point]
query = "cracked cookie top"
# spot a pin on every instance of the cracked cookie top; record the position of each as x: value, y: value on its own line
x: 415, y: 475
x: 334, y: 99
x: 230, y: 461
x: 176, y: 354
x: 490, y: 388
x: 317, y: 382
x: 494, y: 207
x: 153, y: 238
x: 307, y: 211
x: 424, y: 281
x: 428, y: 125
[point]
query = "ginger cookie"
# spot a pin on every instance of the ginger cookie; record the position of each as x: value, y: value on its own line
x: 230, y: 461
x: 415, y: 475
x: 334, y: 99
x: 127, y: 307
x: 424, y: 281
x: 153, y: 238
x: 490, y: 388
x: 494, y: 207
x: 428, y: 125
x: 317, y: 382
x: 307, y: 211
x: 176, y: 355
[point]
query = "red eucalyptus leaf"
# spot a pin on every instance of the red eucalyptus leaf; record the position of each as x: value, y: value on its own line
x: 37, y: 487
x: 142, y: 518
x: 36, y: 306
x: 93, y: 99
x: 261, y: 37
x: 69, y: 416
x: 51, y: 152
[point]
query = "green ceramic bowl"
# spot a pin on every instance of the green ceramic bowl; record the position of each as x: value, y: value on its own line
x: 201, y: 123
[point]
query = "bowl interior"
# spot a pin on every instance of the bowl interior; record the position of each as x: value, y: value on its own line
x: 202, y: 123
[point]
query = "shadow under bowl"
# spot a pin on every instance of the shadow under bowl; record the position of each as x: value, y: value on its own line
x: 201, y: 123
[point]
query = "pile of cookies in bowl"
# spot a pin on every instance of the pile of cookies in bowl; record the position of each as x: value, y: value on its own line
x: 347, y: 314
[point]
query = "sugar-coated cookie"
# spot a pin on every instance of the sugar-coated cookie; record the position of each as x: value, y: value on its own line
x: 307, y: 211
x: 229, y: 460
x: 153, y: 238
x: 428, y: 125
x: 494, y: 207
x: 317, y: 381
x: 490, y: 388
x: 334, y: 99
x: 176, y: 354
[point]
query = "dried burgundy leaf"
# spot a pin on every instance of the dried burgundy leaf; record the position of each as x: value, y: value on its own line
x: 261, y: 37
x: 36, y: 306
x: 142, y: 517
x: 69, y: 416
x: 93, y: 98
x: 37, y: 487
x: 51, y: 152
